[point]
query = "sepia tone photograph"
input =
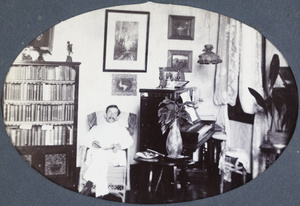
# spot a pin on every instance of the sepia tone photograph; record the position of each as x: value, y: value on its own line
x: 213, y: 121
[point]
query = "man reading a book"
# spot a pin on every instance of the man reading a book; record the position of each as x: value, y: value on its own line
x: 106, y: 143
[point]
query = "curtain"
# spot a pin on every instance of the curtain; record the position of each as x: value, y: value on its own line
x: 250, y: 68
x: 251, y: 76
x: 227, y: 72
x: 240, y: 48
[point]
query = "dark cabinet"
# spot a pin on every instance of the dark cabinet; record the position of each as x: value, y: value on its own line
x: 55, y: 163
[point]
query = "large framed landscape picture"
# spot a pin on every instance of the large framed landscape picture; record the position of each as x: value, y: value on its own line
x: 126, y: 41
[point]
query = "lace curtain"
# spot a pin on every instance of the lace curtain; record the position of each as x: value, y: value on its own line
x: 239, y: 46
x: 227, y: 72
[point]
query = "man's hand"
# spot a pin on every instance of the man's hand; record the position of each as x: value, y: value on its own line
x: 96, y: 144
x: 116, y: 147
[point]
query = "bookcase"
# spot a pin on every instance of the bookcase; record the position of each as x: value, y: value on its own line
x: 39, y: 106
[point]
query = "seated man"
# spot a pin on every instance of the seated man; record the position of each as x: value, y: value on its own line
x: 106, y: 143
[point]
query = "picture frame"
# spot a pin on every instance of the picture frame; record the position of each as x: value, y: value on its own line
x: 181, y: 27
x: 124, y: 85
x: 126, y: 41
x: 44, y: 40
x: 180, y: 84
x: 180, y: 60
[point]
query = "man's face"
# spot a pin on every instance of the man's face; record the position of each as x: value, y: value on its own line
x: 111, y: 115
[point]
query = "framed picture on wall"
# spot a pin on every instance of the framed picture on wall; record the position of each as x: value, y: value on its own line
x: 124, y: 85
x: 44, y: 40
x: 181, y: 27
x: 125, y: 41
x: 180, y: 60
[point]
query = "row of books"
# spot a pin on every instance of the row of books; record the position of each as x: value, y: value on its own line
x: 45, y: 135
x: 41, y: 72
x: 38, y: 112
x: 40, y: 92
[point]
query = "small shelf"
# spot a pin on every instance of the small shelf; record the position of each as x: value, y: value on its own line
x: 10, y: 123
x: 45, y: 147
x: 47, y: 102
x: 46, y: 63
x: 40, y: 81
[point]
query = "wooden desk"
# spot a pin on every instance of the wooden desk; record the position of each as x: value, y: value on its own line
x: 163, y: 162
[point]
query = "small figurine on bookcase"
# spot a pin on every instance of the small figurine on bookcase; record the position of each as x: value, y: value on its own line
x: 41, y: 53
x: 26, y: 55
x: 70, y: 51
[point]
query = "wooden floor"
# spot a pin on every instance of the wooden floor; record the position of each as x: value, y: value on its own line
x: 202, y: 182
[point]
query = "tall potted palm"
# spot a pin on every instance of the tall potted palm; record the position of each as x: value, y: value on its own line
x: 278, y: 107
x: 172, y: 116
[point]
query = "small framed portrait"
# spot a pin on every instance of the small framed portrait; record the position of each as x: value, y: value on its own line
x: 124, y: 85
x: 181, y: 27
x: 126, y: 41
x: 180, y: 60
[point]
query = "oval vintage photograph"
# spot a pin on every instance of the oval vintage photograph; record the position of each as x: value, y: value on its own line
x: 150, y: 103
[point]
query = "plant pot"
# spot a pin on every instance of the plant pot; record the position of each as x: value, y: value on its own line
x: 174, y: 141
x: 278, y: 137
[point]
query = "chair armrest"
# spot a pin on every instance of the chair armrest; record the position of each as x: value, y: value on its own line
x: 82, y: 154
x: 132, y: 120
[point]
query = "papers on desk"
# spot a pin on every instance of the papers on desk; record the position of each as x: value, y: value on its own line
x: 207, y: 117
x: 147, y: 155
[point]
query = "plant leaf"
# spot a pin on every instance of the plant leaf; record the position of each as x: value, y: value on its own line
x: 283, y: 111
x: 259, y: 99
x: 170, y: 116
x: 163, y: 129
x: 162, y: 111
x: 274, y: 70
x: 166, y: 102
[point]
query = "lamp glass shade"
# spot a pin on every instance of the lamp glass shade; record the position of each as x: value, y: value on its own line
x: 209, y: 57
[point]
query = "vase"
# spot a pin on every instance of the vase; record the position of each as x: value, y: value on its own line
x: 278, y: 137
x: 174, y: 141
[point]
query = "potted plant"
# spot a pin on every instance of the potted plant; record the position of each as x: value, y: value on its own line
x: 172, y: 116
x: 278, y: 106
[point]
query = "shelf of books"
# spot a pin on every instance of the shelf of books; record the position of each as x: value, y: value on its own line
x: 40, y: 103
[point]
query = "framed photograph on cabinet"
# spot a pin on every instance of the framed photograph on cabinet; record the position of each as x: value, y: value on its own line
x: 180, y: 84
x: 180, y: 60
x: 125, y: 41
x: 124, y: 85
x: 181, y: 27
